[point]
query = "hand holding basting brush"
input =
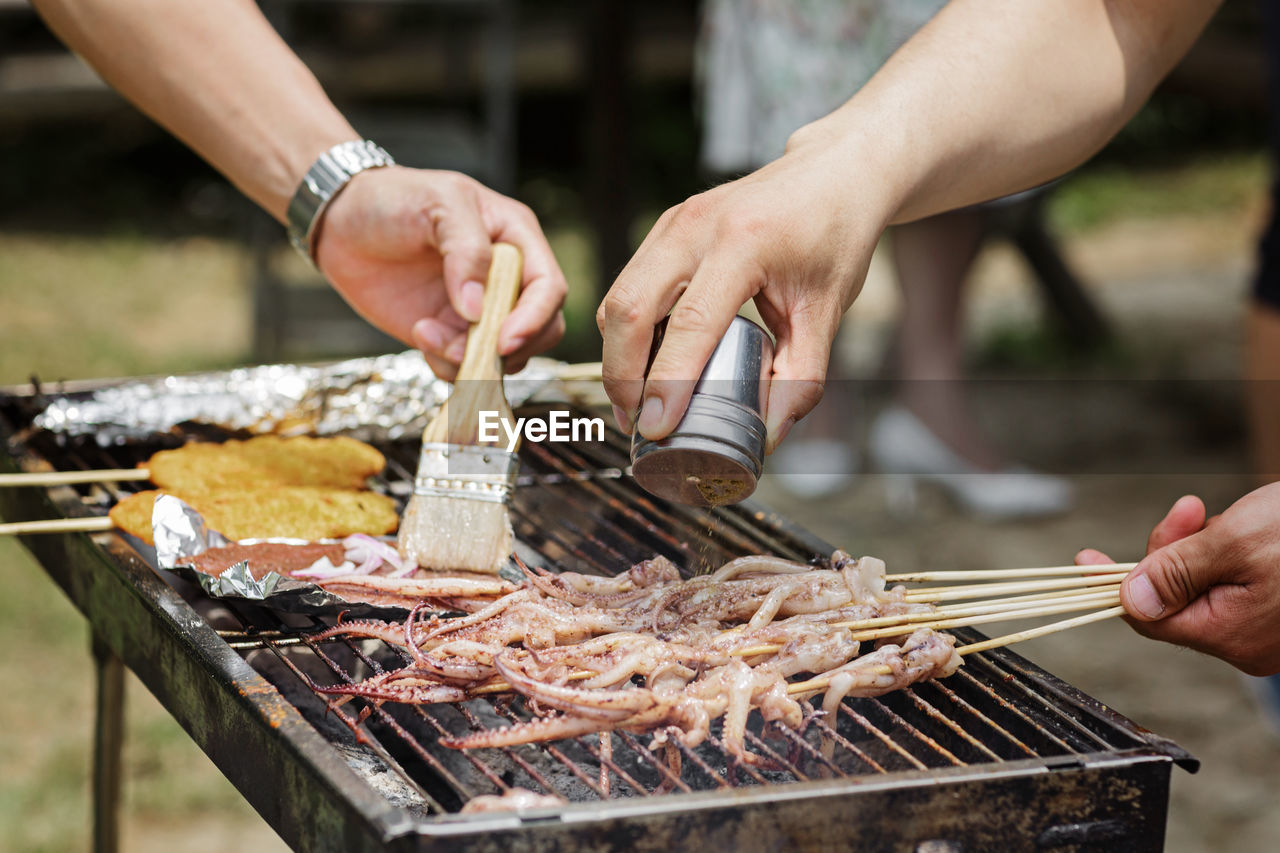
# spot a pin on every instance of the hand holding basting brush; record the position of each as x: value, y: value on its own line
x: 457, y: 518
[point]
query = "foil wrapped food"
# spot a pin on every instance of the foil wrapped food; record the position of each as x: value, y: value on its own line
x: 380, y: 398
x: 180, y: 533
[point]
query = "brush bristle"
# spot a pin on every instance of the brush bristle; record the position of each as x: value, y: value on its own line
x: 456, y: 534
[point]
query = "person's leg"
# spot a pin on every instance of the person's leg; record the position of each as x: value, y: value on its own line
x: 929, y: 434
x: 818, y: 458
x: 933, y: 258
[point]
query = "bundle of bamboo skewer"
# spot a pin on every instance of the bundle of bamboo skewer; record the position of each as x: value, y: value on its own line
x: 818, y: 685
x: 1005, y: 595
x: 1042, y: 592
x: 49, y: 479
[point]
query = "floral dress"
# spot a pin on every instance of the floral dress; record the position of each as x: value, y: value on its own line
x: 767, y: 67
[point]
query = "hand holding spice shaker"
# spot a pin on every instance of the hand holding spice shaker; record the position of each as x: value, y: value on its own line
x: 716, y: 454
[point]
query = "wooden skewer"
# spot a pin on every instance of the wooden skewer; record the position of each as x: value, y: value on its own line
x: 1065, y: 606
x: 945, y: 593
x: 501, y: 686
x: 587, y: 371
x: 817, y: 685
x: 979, y: 608
x: 57, y: 525
x: 1007, y: 587
x: 1002, y: 574
x: 1035, y: 596
x: 956, y: 616
x: 66, y: 478
x: 492, y: 687
x: 1032, y: 633
x: 1020, y: 600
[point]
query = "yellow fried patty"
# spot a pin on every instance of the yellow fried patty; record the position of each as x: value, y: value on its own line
x: 300, y: 512
x: 267, y: 460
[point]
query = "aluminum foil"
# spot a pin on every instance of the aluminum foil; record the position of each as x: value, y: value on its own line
x: 373, y: 399
x: 179, y: 532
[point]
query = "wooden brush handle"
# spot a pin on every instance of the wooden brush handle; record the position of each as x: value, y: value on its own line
x: 480, y: 361
x: 478, y: 386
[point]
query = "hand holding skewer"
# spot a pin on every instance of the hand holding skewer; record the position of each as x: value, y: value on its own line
x: 1211, y: 585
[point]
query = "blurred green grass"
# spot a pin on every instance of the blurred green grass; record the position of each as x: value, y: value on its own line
x: 44, y: 732
x: 119, y: 305
x: 1103, y: 193
x: 76, y: 307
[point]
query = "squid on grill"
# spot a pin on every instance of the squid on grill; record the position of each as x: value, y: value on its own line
x: 649, y: 652
x: 683, y: 706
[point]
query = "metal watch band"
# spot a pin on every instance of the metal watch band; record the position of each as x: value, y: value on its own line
x: 321, y: 183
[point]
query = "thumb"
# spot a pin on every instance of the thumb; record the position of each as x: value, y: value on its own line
x: 464, y: 244
x: 1170, y: 578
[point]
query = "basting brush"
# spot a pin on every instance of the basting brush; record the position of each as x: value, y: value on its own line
x: 457, y: 518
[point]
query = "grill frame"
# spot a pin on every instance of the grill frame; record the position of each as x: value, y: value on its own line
x: 264, y: 744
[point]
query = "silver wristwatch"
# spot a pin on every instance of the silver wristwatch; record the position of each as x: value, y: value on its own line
x: 326, y: 177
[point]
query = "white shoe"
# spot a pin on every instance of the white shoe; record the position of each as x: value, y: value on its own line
x: 904, y: 449
x: 813, y: 468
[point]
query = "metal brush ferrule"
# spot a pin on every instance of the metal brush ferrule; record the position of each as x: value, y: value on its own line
x: 471, y: 472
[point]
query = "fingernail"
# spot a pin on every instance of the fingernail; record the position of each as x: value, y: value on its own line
x: 650, y: 416
x: 623, y: 420
x: 456, y: 350
x: 472, y: 301
x: 512, y: 345
x: 1143, y: 597
x: 784, y: 429
x: 774, y: 438
x: 429, y: 334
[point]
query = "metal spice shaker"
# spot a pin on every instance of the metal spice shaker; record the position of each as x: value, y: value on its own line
x: 715, y: 455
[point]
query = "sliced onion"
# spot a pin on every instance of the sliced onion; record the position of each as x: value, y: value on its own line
x: 324, y: 568
x: 369, y: 554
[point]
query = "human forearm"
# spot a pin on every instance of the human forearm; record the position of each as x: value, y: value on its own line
x: 218, y: 77
x: 408, y: 248
x: 995, y: 96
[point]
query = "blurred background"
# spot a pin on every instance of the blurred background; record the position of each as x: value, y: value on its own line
x: 1102, y: 332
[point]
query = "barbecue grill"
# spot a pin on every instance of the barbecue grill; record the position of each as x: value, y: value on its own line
x: 1001, y: 753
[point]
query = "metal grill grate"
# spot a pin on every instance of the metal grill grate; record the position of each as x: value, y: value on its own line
x: 997, y: 711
